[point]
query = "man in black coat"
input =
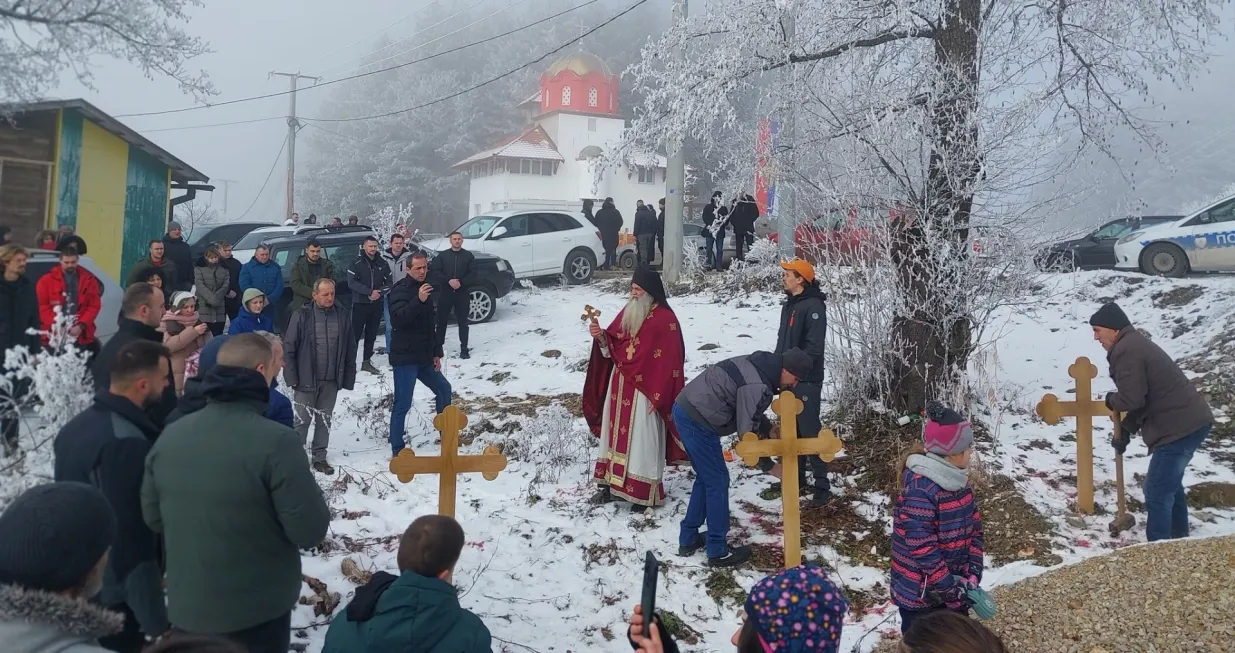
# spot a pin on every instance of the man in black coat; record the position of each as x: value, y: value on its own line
x: 232, y: 301
x: 19, y: 313
x: 449, y: 274
x: 141, y: 311
x: 415, y: 348
x: 660, y: 231
x: 609, y: 223
x: 744, y: 214
x: 176, y: 250
x: 715, y: 218
x: 106, y: 446
x: 369, y: 281
x: 645, y: 233
x: 804, y: 326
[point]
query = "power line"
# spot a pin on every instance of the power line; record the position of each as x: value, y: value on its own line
x: 408, y: 38
x: 264, y: 183
x: 378, y: 31
x: 344, y: 136
x: 217, y: 124
x: 358, y: 75
x: 491, y: 80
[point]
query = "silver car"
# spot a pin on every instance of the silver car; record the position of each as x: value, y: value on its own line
x: 107, y: 322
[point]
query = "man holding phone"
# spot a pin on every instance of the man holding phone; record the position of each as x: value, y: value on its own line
x: 415, y: 351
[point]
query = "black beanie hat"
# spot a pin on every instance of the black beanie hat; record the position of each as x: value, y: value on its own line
x: 1110, y: 316
x: 797, y: 362
x: 52, y: 535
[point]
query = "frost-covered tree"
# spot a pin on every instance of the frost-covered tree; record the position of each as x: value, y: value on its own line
x: 44, y: 38
x: 933, y: 115
x: 196, y: 215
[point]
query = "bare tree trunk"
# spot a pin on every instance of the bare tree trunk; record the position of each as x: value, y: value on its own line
x: 933, y: 337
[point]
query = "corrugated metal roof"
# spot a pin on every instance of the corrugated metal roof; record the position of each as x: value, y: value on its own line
x: 534, y: 143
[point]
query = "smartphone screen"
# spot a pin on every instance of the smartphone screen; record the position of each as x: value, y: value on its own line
x: 651, y: 569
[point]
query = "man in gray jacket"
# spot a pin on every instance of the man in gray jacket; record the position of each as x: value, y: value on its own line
x: 1160, y: 401
x: 319, y: 358
x: 726, y: 398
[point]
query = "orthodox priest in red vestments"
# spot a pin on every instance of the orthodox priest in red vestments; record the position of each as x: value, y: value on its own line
x: 633, y: 378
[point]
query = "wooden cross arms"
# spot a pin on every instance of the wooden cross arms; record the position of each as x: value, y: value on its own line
x: 788, y: 407
x: 407, y: 464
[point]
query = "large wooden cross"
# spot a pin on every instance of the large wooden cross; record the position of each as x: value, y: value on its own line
x: 1084, y: 409
x: 407, y: 464
x: 789, y: 447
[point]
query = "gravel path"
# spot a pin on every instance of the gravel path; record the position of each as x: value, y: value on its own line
x: 1165, y: 598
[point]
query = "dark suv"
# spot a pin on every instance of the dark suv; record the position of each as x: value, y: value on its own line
x: 1095, y: 250
x: 494, y: 278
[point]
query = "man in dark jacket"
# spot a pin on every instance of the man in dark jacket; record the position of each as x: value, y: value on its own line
x: 744, y: 214
x: 319, y: 359
x: 660, y: 230
x: 369, y: 281
x: 141, y: 311
x: 1159, y: 400
x: 279, y: 408
x: 645, y: 233
x: 715, y: 216
x: 450, y: 273
x: 609, y: 222
x: 106, y: 446
x: 178, y: 251
x: 726, y: 398
x: 310, y: 267
x: 232, y: 301
x: 804, y: 325
x: 156, y: 263
x: 415, y: 350
x: 235, y: 506
x: 418, y: 610
x: 19, y: 313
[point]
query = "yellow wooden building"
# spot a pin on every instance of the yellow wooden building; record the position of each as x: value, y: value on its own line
x: 65, y: 162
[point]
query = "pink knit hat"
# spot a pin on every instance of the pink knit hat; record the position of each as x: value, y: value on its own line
x: 945, y: 432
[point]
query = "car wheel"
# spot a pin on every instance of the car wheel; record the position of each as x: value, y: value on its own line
x: 481, y: 304
x: 1064, y: 263
x: 1164, y: 260
x: 627, y: 261
x: 580, y: 264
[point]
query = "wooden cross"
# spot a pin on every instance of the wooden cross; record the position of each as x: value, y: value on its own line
x: 407, y: 464
x: 789, y: 447
x: 589, y: 313
x: 1084, y: 409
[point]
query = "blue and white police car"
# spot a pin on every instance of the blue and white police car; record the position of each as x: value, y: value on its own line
x: 1201, y: 242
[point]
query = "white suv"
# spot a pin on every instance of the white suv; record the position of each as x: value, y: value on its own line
x: 535, y: 243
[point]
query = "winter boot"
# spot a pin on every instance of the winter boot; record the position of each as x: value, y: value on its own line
x: 735, y: 556
x: 464, y: 353
x: 637, y: 508
x: 323, y: 467
x: 820, y: 497
x: 602, y: 497
x: 689, y: 550
x: 367, y: 366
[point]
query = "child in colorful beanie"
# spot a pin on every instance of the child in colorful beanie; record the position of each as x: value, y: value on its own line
x: 797, y: 610
x: 936, y: 527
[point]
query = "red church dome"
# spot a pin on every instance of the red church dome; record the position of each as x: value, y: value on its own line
x: 579, y: 83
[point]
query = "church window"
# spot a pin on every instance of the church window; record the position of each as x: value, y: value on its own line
x: 565, y: 96
x: 525, y: 166
x: 536, y: 167
x: 591, y: 123
x: 549, y: 168
x: 593, y: 97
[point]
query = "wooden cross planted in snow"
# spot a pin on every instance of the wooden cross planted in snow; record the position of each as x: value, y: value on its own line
x: 407, y: 464
x: 1084, y: 409
x: 789, y: 447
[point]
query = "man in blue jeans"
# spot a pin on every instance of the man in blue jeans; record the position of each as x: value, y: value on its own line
x: 726, y: 398
x: 415, y: 353
x: 1159, y: 401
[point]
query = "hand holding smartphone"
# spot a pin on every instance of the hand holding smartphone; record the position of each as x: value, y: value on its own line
x: 651, y: 572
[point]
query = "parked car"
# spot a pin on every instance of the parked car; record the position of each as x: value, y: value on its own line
x: 1095, y: 250
x: 836, y: 233
x: 1201, y: 242
x: 107, y: 322
x: 494, y: 276
x: 536, y: 243
x: 243, y: 250
x: 692, y: 236
x: 232, y: 232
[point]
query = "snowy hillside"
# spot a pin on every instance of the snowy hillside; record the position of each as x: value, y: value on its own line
x: 549, y: 572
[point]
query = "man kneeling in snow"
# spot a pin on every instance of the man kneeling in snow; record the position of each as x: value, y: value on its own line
x: 417, y: 610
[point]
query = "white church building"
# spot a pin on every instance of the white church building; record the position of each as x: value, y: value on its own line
x: 552, y: 163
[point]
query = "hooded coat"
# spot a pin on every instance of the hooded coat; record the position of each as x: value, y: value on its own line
x: 36, y: 621
x: 51, y: 293
x: 19, y: 312
x: 409, y: 612
x: 211, y: 283
x: 247, y: 322
x: 609, y: 222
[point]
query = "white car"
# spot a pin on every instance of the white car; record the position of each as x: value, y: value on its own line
x: 1201, y: 242
x: 535, y: 243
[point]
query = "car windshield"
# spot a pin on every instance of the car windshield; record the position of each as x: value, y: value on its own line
x: 254, y: 238
x: 477, y: 226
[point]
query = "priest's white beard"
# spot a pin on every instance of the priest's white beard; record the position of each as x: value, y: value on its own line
x: 637, y: 309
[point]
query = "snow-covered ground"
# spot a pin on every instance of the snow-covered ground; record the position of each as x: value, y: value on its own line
x: 549, y: 572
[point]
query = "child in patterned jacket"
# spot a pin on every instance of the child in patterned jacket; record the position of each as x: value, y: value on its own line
x: 936, y: 528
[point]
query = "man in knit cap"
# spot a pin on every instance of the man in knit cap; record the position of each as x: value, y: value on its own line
x: 1160, y: 402
x: 54, y: 540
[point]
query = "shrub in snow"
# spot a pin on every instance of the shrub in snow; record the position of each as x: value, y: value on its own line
x: 552, y: 443
x: 391, y: 219
x: 55, y: 383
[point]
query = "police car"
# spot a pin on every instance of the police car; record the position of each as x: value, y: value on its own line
x: 1201, y: 242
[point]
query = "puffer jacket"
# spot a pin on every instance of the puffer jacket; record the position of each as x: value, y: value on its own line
x: 246, y: 322
x: 409, y: 612
x: 211, y: 283
x: 804, y: 325
x: 266, y: 277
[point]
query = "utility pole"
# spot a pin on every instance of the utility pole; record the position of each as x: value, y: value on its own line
x: 293, y: 125
x: 227, y: 185
x: 675, y: 182
x: 786, y: 202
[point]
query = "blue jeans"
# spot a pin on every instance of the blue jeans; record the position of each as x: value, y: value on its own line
x: 386, y: 319
x: 1166, y: 501
x: 709, y: 497
x: 405, y: 382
